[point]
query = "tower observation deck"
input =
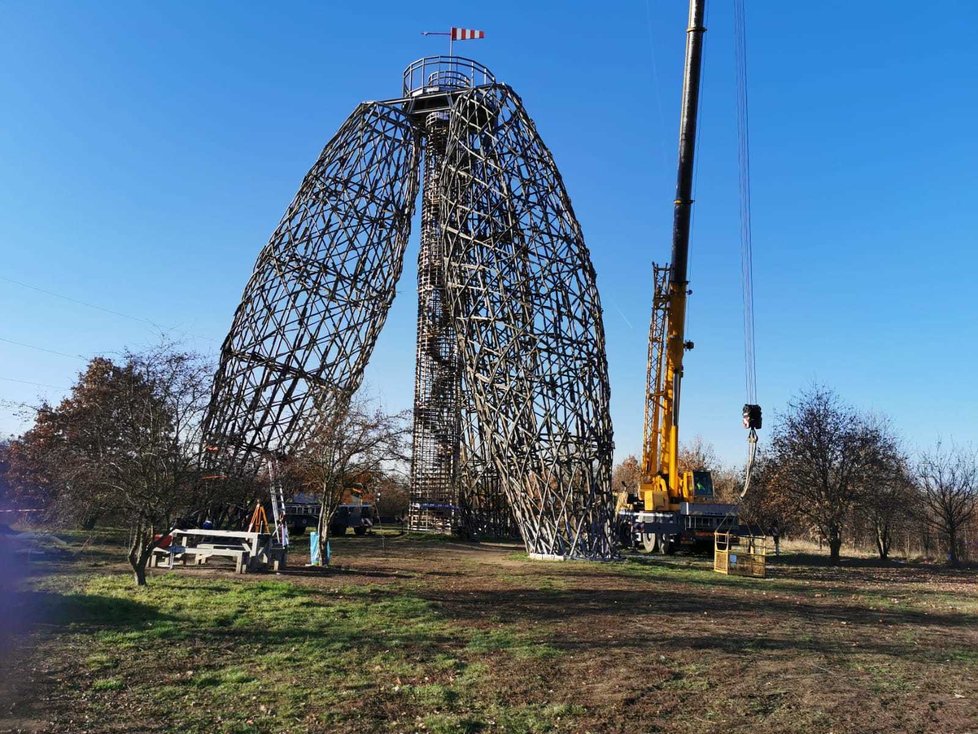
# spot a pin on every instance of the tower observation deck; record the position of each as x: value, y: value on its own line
x: 433, y: 83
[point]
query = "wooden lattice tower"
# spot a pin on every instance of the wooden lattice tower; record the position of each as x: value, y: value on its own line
x: 511, y: 406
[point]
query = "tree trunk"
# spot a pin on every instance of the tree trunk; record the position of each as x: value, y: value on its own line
x: 329, y: 502
x: 138, y: 557
x: 883, y: 542
x: 325, y: 518
x: 324, y: 545
x: 139, y: 571
x: 835, y: 544
x: 952, y: 548
x: 141, y: 550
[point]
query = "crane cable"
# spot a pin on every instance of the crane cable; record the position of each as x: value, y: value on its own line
x: 746, y: 251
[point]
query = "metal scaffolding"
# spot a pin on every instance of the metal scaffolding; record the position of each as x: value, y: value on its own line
x: 511, y: 423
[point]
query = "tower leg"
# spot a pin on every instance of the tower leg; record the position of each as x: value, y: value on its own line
x: 320, y: 291
x: 523, y: 295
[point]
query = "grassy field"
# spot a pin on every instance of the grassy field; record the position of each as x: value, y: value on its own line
x: 411, y: 634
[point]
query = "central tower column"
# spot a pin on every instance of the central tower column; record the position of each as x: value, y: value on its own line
x: 437, y: 386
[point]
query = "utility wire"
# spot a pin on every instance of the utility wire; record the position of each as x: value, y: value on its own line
x: 746, y: 247
x: 79, y: 302
x: 696, y: 165
x: 96, y: 307
x: 43, y: 349
x: 657, y: 88
x: 36, y: 384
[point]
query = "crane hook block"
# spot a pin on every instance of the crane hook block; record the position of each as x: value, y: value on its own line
x: 752, y: 416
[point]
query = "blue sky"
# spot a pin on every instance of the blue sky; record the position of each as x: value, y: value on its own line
x: 147, y: 151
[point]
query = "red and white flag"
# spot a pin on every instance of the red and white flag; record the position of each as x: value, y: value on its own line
x: 465, y: 34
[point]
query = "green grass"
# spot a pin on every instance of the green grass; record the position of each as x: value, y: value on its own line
x: 519, y: 644
x: 691, y: 677
x: 486, y: 643
x: 268, y: 655
x: 107, y: 684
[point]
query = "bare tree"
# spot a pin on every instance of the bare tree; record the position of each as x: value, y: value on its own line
x: 699, y: 454
x: 885, y: 504
x: 126, y: 443
x: 10, y: 489
x: 360, y: 440
x: 766, y: 507
x: 393, y: 495
x: 627, y: 475
x: 948, y: 482
x: 824, y: 454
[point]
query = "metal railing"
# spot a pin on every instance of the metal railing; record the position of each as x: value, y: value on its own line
x: 445, y: 72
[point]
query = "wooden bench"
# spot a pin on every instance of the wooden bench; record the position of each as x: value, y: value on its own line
x: 168, y: 554
x: 200, y: 554
x: 240, y: 556
x: 246, y: 548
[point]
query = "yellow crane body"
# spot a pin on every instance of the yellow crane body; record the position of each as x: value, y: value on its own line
x: 674, y: 505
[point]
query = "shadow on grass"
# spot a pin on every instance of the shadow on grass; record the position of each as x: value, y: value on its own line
x: 89, y: 610
x: 585, y: 608
x: 790, y: 573
x: 816, y: 560
x: 340, y: 571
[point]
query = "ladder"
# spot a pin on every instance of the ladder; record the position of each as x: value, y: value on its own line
x: 280, y: 530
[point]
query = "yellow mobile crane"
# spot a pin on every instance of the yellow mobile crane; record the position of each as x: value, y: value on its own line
x: 676, y: 507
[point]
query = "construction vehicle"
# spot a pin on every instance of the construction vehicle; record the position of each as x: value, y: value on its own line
x: 357, y: 509
x: 675, y: 506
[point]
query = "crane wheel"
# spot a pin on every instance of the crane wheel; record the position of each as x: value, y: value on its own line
x: 650, y: 542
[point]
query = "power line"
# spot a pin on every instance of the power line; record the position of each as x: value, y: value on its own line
x: 79, y: 302
x: 746, y: 247
x: 36, y: 384
x: 655, y: 83
x: 95, y: 306
x: 44, y: 349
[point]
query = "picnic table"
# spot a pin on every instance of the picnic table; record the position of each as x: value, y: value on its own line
x: 246, y: 548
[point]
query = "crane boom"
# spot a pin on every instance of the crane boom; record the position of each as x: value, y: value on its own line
x: 667, y: 341
x: 678, y: 283
x: 661, y: 512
